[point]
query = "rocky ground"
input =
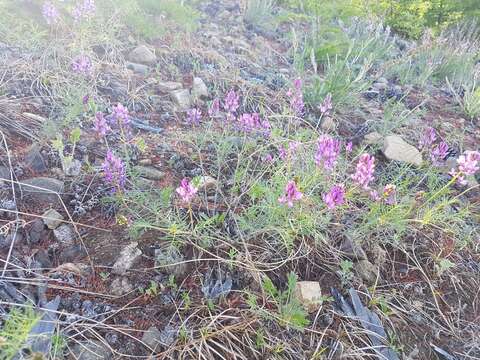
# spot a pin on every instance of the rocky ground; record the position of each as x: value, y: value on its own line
x: 143, y: 274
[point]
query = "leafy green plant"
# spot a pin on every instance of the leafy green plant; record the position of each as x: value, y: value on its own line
x: 346, y: 274
x: 290, y: 312
x: 260, y: 13
x: 14, y: 333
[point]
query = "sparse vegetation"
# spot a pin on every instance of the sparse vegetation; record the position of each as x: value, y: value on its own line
x: 290, y: 179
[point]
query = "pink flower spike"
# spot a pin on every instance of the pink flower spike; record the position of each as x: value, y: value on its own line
x: 349, y: 147
x: 327, y: 153
x: 186, y: 190
x: 364, y: 172
x: 292, y: 194
x: 335, y: 197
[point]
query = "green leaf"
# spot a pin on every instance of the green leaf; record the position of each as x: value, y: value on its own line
x: 75, y: 135
x: 270, y: 288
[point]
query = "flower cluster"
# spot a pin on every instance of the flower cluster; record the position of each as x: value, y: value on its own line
x: 326, y: 106
x: 231, y: 102
x: 327, y: 153
x: 439, y: 152
x: 194, y: 116
x: 50, y: 13
x: 114, y: 171
x: 335, y: 197
x: 349, y: 147
x: 100, y: 125
x: 120, y: 115
x: 291, y: 195
x: 428, y: 138
x: 82, y: 65
x: 389, y: 195
x: 84, y: 10
x: 296, y: 98
x: 364, y: 172
x: 250, y: 123
x: 186, y: 190
x: 468, y: 165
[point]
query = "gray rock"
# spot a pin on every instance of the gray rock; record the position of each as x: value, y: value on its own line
x: 142, y: 55
x: 144, y: 184
x: 43, y: 259
x: 352, y: 250
x: 168, y: 86
x: 120, y: 286
x: 6, y: 241
x: 366, y: 271
x: 72, y: 167
x: 72, y: 253
x: 52, y: 218
x: 395, y: 148
x: 328, y: 124
x: 138, y: 68
x: 373, y: 138
x: 91, y: 350
x: 34, y: 159
x: 153, y: 338
x: 64, y: 234
x: 36, y: 232
x: 4, y: 174
x: 378, y: 86
x: 207, y: 183
x: 149, y: 172
x: 199, y: 88
x: 182, y: 99
x: 42, y: 189
x: 128, y: 256
x: 170, y: 261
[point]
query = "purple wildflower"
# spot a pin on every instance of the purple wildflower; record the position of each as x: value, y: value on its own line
x: 186, y: 190
x: 292, y: 194
x: 82, y: 65
x: 349, y: 147
x: 467, y: 165
x: 326, y: 106
x: 364, y: 173
x: 374, y: 195
x: 335, y: 197
x: 50, y: 13
x: 85, y: 99
x: 327, y: 153
x: 389, y: 194
x: 100, y: 124
x: 114, y: 171
x: 214, y: 108
x: 120, y: 115
x: 253, y: 123
x: 84, y: 10
x: 231, y: 102
x: 439, y: 152
x: 428, y: 138
x: 194, y: 116
x: 296, y: 97
x: 268, y: 158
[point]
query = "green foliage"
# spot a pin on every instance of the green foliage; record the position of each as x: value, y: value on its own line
x: 290, y: 312
x: 260, y: 13
x: 14, y: 333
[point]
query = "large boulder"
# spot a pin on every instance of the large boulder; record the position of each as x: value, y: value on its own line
x: 142, y: 55
x: 395, y: 148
